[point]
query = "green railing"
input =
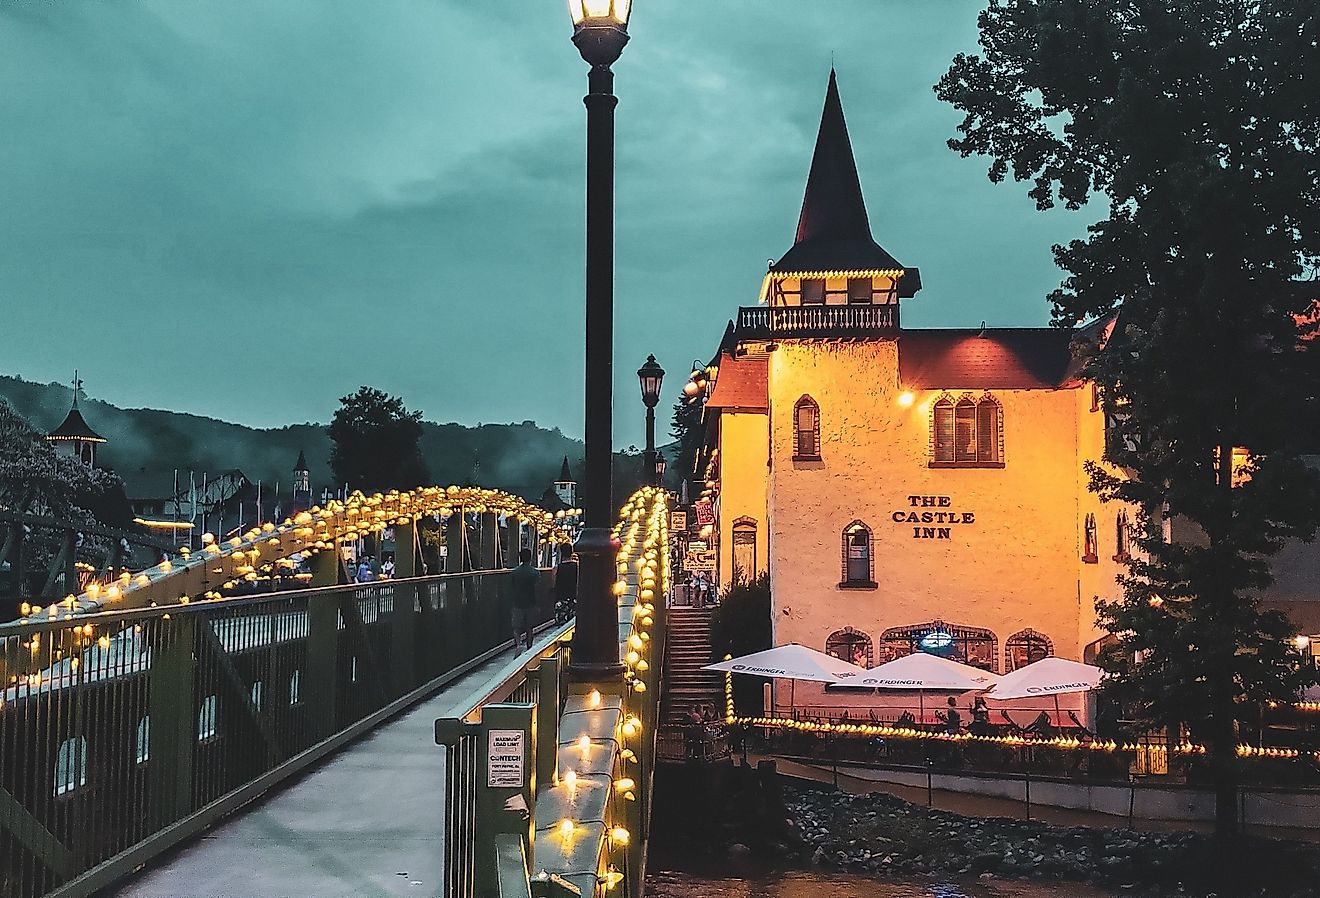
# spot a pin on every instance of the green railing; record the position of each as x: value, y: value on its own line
x: 124, y: 733
x: 548, y: 792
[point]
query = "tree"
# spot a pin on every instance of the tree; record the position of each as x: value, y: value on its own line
x: 1199, y: 122
x: 375, y: 443
x: 687, y: 430
x: 740, y: 625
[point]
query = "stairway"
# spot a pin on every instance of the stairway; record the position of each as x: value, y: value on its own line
x: 686, y: 684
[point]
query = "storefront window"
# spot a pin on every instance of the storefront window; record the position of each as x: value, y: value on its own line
x: 1026, y: 647
x: 968, y: 645
x: 850, y: 645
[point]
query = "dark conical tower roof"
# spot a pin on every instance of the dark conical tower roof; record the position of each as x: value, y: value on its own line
x: 834, y: 233
x: 301, y: 463
x: 564, y: 475
x: 75, y: 428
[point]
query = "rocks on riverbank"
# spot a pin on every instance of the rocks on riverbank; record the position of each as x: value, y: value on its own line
x: 881, y: 834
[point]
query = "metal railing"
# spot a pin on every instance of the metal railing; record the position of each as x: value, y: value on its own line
x: 123, y: 733
x: 769, y: 322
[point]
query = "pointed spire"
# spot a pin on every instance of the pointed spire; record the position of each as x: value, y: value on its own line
x: 77, y: 385
x: 301, y: 463
x: 834, y: 232
x: 564, y: 475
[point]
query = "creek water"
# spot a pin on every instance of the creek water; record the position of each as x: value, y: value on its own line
x: 814, y: 884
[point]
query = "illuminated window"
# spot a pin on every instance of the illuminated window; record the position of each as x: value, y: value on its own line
x: 1122, y: 533
x: 859, y: 291
x: 850, y: 645
x: 806, y: 429
x: 970, y: 645
x: 1089, y: 552
x: 71, y: 765
x: 968, y: 433
x: 813, y: 291
x: 858, y: 570
x: 744, y: 550
x: 1026, y: 647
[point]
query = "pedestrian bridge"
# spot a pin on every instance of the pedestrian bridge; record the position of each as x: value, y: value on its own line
x: 148, y: 744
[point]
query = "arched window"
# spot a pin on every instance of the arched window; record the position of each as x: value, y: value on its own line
x: 858, y: 565
x: 1089, y: 552
x: 744, y: 550
x: 1122, y: 533
x: 1026, y: 647
x: 970, y: 645
x: 806, y: 429
x: 968, y: 433
x: 850, y: 645
x: 71, y: 765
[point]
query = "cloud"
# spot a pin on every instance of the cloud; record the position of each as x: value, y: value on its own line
x: 249, y: 209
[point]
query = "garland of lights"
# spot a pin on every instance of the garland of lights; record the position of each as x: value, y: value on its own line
x: 1062, y: 743
x: 219, y: 566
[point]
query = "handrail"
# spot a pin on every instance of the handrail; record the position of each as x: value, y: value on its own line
x: 817, y: 321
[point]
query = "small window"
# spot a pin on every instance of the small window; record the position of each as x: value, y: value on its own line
x: 744, y: 550
x: 859, y: 291
x: 1090, y: 554
x: 968, y: 433
x: 1122, y: 533
x: 806, y: 428
x: 857, y: 568
x: 295, y: 687
x: 850, y: 645
x: 1026, y: 647
x: 71, y: 765
x: 813, y: 291
x: 257, y: 688
x: 144, y: 740
x: 206, y: 719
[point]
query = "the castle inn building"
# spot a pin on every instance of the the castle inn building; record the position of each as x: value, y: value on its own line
x: 912, y: 489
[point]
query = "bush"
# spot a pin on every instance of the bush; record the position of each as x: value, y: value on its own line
x: 739, y: 626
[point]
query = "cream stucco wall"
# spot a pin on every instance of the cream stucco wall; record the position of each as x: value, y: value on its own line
x: 1014, y: 567
x: 744, y: 451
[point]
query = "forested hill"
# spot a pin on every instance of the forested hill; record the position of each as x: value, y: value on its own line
x: 145, y: 446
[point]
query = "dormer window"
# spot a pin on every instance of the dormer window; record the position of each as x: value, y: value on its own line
x: 859, y: 291
x: 813, y: 291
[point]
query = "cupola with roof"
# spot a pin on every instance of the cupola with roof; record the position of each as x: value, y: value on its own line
x: 302, y: 484
x: 74, y: 437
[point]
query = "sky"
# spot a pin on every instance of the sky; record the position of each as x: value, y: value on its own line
x: 249, y: 209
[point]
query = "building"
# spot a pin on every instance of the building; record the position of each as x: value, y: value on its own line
x: 907, y: 488
x: 74, y: 437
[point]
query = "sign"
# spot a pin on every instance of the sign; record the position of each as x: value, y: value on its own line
x: 677, y: 521
x: 932, y: 517
x: 504, y: 759
x: 699, y: 544
x: 705, y: 512
x: 699, y: 560
x: 936, y: 640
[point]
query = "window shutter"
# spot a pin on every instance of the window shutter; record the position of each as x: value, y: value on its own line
x: 987, y: 431
x: 964, y: 431
x: 943, y: 432
x: 813, y: 291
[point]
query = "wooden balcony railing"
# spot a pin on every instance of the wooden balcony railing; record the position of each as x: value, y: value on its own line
x: 770, y: 322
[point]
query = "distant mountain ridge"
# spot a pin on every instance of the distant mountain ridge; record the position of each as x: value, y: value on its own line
x: 145, y: 446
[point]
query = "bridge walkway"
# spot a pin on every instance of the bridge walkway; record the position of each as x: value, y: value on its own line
x: 368, y: 821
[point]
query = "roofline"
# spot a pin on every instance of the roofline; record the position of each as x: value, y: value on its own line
x: 57, y: 438
x: 896, y: 273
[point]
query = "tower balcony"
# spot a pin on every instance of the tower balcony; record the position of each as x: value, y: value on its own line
x: 842, y: 321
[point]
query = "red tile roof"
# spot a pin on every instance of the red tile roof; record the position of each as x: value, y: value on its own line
x: 741, y: 384
x: 993, y: 359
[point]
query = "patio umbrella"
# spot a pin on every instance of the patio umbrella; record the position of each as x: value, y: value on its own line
x: 922, y: 671
x: 793, y: 662
x: 1047, y: 677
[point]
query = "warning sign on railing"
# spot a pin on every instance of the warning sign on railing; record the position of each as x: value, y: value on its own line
x: 504, y: 759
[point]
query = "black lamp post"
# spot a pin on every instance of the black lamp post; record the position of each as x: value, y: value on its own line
x: 660, y: 465
x: 651, y: 376
x: 600, y: 31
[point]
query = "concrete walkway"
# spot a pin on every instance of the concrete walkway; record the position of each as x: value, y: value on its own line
x: 368, y: 822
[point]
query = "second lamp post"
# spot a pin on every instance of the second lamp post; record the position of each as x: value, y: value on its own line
x: 651, y: 376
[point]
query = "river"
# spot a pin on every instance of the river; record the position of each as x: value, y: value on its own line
x: 813, y: 884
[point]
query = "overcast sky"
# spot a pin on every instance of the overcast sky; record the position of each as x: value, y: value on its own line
x: 248, y: 209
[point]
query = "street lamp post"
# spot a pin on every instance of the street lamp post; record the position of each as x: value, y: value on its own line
x: 660, y: 464
x: 600, y: 31
x: 651, y: 376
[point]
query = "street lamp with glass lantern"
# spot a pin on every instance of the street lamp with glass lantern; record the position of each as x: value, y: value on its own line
x: 651, y: 376
x: 600, y: 31
x: 660, y: 465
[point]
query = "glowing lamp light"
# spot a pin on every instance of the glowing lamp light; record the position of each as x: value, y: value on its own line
x: 1301, y: 642
x: 566, y: 828
x: 619, y: 836
x: 593, y: 698
x: 906, y: 398
x: 612, y: 878
x: 584, y: 746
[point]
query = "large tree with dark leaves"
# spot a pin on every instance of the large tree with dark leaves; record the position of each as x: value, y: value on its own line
x: 376, y: 443
x: 1193, y: 126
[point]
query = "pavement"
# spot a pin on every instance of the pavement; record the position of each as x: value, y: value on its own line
x: 368, y: 822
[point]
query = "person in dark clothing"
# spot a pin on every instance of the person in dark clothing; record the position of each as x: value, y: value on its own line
x: 524, y: 579
x: 952, y: 719
x: 566, y: 585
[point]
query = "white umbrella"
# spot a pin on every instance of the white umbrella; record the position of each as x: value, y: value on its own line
x: 922, y: 671
x: 793, y: 662
x: 1047, y: 677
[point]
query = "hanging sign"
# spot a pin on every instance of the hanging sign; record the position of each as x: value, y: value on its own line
x: 699, y: 560
x: 705, y: 512
x: 504, y: 759
x: 677, y: 521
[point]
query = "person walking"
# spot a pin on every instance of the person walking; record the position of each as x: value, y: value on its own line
x: 566, y: 585
x: 524, y: 579
x: 364, y: 572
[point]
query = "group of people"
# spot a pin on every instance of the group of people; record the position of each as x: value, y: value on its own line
x: 1042, y: 727
x: 366, y: 571
x: 700, y: 728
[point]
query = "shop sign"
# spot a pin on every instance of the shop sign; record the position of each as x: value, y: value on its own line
x: 932, y: 517
x: 705, y: 512
x: 677, y: 521
x: 698, y: 560
x: 504, y: 759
